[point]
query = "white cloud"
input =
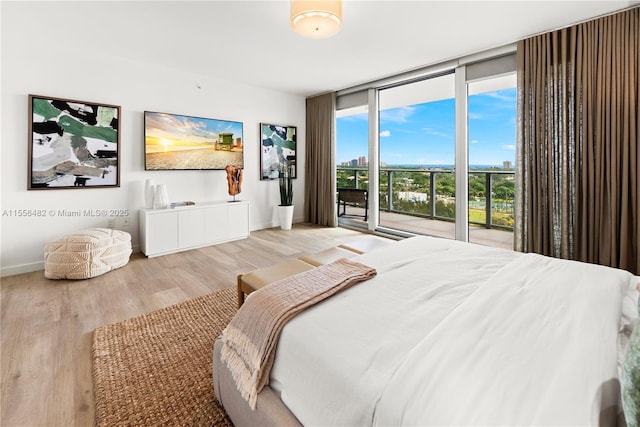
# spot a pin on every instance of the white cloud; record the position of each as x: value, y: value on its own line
x: 396, y: 115
x: 385, y: 133
x: 355, y: 117
x: 474, y: 141
x: 475, y: 116
x: 501, y: 96
x: 434, y: 132
x: 509, y: 147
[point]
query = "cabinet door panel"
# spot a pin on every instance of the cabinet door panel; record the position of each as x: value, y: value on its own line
x: 162, y: 232
x: 216, y: 223
x: 238, y: 221
x: 191, y: 228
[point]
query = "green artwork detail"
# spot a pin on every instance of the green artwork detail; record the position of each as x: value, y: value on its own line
x: 45, y: 109
x: 73, y: 126
x: 105, y: 116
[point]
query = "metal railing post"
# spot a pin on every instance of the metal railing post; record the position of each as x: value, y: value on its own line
x: 488, y: 199
x: 390, y: 189
x: 432, y: 193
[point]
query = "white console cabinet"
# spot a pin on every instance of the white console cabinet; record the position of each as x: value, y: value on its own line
x: 164, y: 231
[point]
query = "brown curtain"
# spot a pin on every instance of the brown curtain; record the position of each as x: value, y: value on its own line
x: 320, y: 180
x: 577, y: 192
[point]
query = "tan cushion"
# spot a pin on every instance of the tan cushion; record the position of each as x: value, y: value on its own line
x: 327, y: 256
x: 87, y: 253
x: 366, y: 244
x: 263, y: 276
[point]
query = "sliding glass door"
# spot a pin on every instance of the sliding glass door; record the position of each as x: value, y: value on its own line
x: 491, y: 127
x: 352, y: 168
x: 417, y: 156
x: 352, y: 146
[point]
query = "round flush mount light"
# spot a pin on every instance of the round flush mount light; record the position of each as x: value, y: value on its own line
x: 317, y: 19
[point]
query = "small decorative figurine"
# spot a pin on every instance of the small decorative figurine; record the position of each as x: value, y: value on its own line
x: 234, y: 180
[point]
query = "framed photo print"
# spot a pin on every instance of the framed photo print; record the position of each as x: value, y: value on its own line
x: 277, y: 149
x: 178, y: 142
x: 73, y: 144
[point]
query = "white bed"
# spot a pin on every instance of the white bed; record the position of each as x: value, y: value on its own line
x: 452, y: 333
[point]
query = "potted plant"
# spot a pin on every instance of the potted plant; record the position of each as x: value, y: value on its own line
x: 285, y: 209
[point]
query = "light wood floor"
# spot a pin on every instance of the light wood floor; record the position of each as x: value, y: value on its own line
x: 47, y: 325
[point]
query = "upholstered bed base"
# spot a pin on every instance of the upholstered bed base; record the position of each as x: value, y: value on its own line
x: 270, y: 411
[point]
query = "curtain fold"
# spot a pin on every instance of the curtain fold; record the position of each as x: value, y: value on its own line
x: 320, y: 204
x: 577, y: 192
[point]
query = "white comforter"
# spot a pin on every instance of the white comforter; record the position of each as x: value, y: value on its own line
x: 450, y: 333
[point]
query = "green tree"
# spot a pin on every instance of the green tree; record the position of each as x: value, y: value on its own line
x: 446, y: 184
x: 477, y: 188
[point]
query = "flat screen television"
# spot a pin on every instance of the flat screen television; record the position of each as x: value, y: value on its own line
x: 177, y: 142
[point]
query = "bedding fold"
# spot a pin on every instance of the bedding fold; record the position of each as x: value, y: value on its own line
x: 534, y: 345
x: 251, y: 338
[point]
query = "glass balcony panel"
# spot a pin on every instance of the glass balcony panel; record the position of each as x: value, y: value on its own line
x: 412, y: 212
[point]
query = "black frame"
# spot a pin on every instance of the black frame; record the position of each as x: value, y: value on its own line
x: 212, y: 144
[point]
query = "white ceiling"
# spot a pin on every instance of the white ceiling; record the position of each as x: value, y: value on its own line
x: 251, y: 42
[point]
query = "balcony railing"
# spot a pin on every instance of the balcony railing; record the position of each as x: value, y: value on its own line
x: 411, y: 191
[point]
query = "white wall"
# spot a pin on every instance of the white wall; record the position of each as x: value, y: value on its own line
x: 35, y: 62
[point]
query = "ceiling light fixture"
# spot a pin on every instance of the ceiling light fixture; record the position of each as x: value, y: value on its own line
x: 317, y: 19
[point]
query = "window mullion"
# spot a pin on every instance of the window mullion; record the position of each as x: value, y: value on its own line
x: 374, y: 160
x: 461, y: 156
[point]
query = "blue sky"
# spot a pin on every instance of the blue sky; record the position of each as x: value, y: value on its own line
x: 425, y: 133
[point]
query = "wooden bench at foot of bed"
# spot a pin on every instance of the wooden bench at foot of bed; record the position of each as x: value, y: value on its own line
x: 260, y: 277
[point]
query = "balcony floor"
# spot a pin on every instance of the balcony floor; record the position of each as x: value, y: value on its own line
x: 477, y: 234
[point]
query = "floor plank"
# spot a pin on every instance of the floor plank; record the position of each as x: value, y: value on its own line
x: 46, y: 325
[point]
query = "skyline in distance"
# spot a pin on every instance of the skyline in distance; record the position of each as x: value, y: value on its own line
x: 424, y: 134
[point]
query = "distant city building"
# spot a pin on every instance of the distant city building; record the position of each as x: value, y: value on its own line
x: 360, y: 161
x: 507, y: 164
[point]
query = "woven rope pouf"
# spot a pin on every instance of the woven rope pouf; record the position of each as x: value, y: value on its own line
x: 87, y: 253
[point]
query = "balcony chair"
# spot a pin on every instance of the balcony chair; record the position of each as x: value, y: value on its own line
x: 353, y: 197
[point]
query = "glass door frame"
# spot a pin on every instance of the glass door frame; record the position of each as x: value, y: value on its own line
x: 462, y: 156
x: 461, y: 166
x: 374, y: 159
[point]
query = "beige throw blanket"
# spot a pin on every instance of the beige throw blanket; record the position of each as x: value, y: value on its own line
x: 251, y: 337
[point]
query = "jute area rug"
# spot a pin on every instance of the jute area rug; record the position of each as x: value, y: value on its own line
x: 156, y: 369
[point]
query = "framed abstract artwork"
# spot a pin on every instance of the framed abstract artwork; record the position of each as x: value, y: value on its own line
x: 72, y: 144
x: 178, y: 142
x: 277, y: 149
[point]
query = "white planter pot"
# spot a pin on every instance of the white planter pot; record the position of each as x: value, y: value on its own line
x: 286, y: 217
